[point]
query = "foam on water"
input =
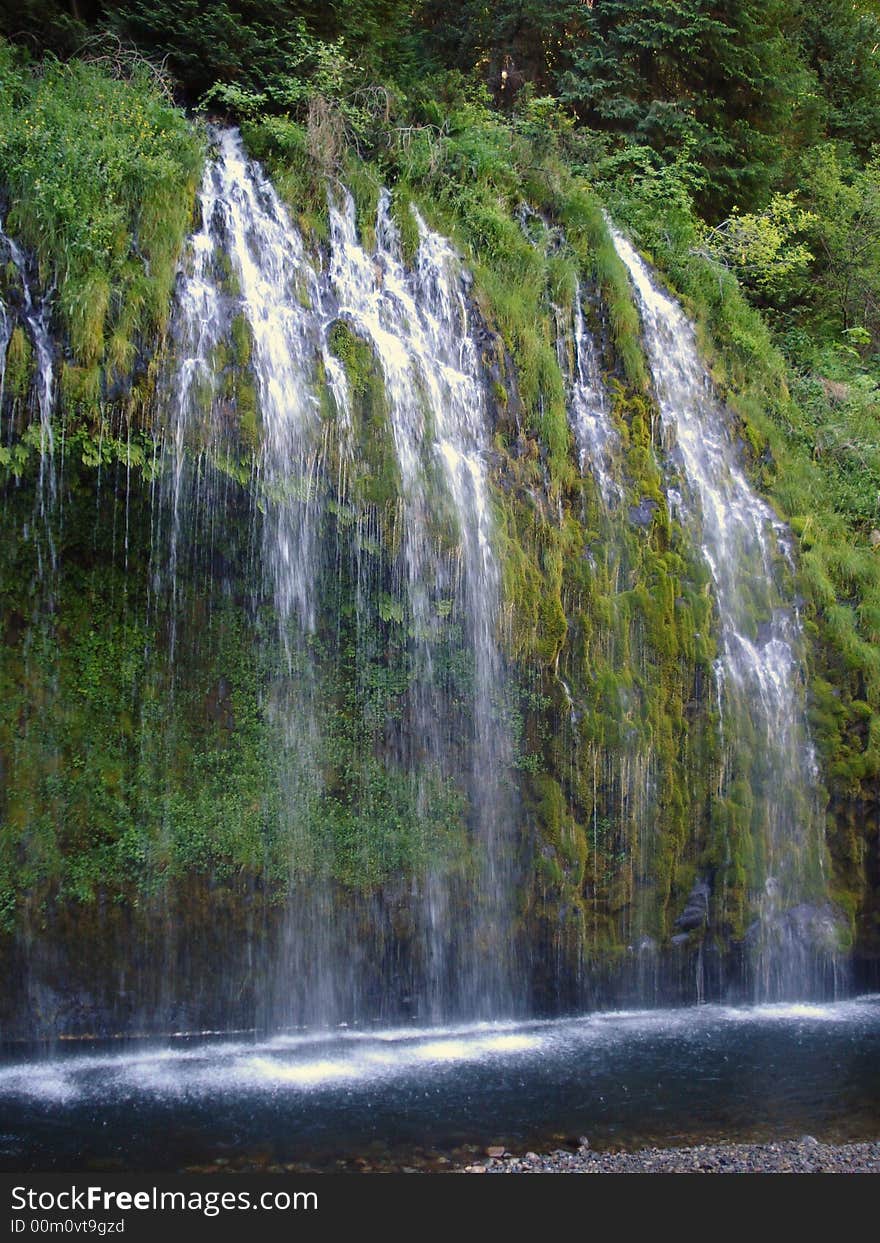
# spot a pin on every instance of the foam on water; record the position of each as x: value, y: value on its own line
x: 366, y: 1060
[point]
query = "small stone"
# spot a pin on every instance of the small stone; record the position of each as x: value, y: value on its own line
x: 495, y: 1150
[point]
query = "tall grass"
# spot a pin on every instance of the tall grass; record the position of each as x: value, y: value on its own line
x: 100, y: 172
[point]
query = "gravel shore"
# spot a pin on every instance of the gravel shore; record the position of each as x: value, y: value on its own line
x: 801, y: 1156
x: 798, y: 1156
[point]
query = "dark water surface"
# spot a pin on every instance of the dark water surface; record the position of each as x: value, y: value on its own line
x: 393, y: 1095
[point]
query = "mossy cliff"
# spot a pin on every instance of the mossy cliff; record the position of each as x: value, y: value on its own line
x: 145, y: 716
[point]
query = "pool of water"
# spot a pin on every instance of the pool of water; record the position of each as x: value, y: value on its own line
x: 318, y: 1098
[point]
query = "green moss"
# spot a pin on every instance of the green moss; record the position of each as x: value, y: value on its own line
x: 247, y: 409
x: 85, y: 302
x: 242, y: 341
x: 363, y: 183
x: 402, y: 213
x: 373, y: 473
x: 499, y: 394
x: 80, y: 386
x: 355, y: 355
x: 282, y: 144
x: 587, y: 232
x: 19, y: 364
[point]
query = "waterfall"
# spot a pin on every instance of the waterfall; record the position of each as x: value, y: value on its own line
x: 314, y: 653
x: 198, y: 325
x: 244, y: 221
x: 770, y: 766
x: 418, y: 325
x: 282, y: 301
x: 5, y: 334
x: 248, y: 261
x: 597, y: 438
x: 247, y: 271
x: 35, y: 311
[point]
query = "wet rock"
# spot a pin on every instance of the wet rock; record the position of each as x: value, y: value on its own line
x: 696, y: 908
x: 818, y: 925
x: 642, y: 515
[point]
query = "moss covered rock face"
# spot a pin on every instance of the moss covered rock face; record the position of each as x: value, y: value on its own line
x: 334, y: 667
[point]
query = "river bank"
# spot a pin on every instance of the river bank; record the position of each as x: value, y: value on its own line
x: 805, y: 1155
x: 802, y: 1156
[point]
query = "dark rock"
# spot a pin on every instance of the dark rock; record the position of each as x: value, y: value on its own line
x: 765, y: 632
x: 642, y: 515
x: 696, y: 909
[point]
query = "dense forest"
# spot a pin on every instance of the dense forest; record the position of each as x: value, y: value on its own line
x: 739, y: 147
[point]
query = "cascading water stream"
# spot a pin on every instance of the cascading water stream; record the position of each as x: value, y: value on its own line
x: 597, y: 438
x: 461, y: 430
x: 418, y: 325
x: 282, y: 300
x: 769, y: 755
x: 245, y: 230
x: 198, y: 324
x: 5, y: 335
x: 36, y: 312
